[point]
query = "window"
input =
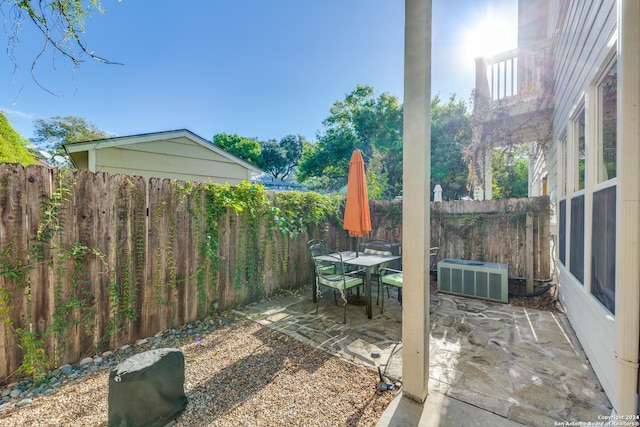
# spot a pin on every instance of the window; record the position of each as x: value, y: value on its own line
x: 565, y: 165
x: 603, y: 247
x: 576, y: 252
x: 562, y: 237
x: 580, y: 150
x: 607, y: 122
x: 603, y: 225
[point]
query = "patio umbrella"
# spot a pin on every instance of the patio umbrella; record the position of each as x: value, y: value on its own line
x: 357, y: 220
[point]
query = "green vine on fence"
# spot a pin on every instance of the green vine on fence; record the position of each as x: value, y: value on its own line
x: 267, y: 226
x: 52, y: 220
x: 35, y: 361
x: 123, y: 294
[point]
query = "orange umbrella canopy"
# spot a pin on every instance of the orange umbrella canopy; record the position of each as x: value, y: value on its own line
x: 356, y: 212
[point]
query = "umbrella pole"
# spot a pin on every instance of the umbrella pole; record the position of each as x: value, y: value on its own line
x: 357, y: 244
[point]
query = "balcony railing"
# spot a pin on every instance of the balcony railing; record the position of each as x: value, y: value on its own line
x: 521, y: 71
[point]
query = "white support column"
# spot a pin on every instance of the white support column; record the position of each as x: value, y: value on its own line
x: 415, y: 206
x: 627, y: 326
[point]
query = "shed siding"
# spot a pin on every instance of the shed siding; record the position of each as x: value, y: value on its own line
x: 582, y: 45
x: 176, y: 159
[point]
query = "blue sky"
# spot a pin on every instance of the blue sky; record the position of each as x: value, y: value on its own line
x: 257, y: 68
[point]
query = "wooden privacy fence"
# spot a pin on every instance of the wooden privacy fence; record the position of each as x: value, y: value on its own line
x: 92, y: 261
x: 507, y: 231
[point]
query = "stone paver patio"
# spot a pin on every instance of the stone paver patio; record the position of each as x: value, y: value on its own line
x: 522, y: 364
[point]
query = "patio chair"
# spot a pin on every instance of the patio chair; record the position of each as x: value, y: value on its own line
x: 378, y: 247
x: 319, y: 247
x: 331, y: 272
x: 392, y: 277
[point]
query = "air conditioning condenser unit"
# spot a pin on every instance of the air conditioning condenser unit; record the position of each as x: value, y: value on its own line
x: 476, y: 279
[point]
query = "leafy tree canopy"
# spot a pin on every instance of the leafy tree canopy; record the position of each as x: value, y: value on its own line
x: 450, y: 137
x: 366, y: 122
x: 510, y: 173
x: 374, y: 125
x: 52, y: 133
x: 247, y: 149
x: 13, y: 147
x: 281, y: 158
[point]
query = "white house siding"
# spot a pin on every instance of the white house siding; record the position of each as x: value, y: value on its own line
x: 582, y: 46
x: 178, y: 158
x: 551, y: 160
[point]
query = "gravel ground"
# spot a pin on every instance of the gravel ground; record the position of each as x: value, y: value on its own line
x: 242, y: 374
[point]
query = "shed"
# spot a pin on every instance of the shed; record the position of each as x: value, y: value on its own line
x: 177, y: 154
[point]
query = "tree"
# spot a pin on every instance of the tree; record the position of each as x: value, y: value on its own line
x: 510, y: 173
x: 374, y: 125
x: 61, y: 22
x: 247, y: 149
x: 51, y: 134
x: 363, y: 121
x: 450, y: 137
x: 281, y: 158
x: 13, y: 147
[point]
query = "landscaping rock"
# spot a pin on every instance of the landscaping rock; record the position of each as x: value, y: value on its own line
x: 24, y: 402
x: 86, y: 361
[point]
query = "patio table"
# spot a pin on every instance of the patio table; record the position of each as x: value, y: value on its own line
x: 368, y: 261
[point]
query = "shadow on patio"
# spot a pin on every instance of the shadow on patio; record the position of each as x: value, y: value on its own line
x: 513, y: 364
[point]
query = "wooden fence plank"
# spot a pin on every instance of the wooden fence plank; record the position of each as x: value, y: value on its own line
x: 121, y: 280
x: 227, y: 260
x: 13, y: 251
x: 171, y: 273
x: 105, y: 257
x: 88, y: 263
x: 42, y: 278
x: 68, y: 316
x: 140, y: 229
x: 151, y: 315
x: 181, y: 237
x: 191, y: 264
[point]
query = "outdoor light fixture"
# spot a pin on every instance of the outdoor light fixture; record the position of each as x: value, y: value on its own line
x: 376, y: 361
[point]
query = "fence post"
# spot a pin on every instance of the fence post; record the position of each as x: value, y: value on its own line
x: 437, y: 193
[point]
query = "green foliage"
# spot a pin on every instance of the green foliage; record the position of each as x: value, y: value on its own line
x: 51, y: 134
x: 247, y: 149
x: 294, y: 212
x: 123, y: 287
x: 364, y: 121
x: 35, y: 360
x: 75, y: 307
x: 374, y: 125
x: 68, y: 14
x: 288, y: 213
x: 51, y: 208
x: 510, y: 173
x: 450, y: 137
x: 281, y: 158
x: 377, y: 177
x: 13, y: 147
x: 14, y: 266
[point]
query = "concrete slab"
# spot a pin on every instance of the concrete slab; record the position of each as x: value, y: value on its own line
x: 439, y: 410
x: 486, y: 359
